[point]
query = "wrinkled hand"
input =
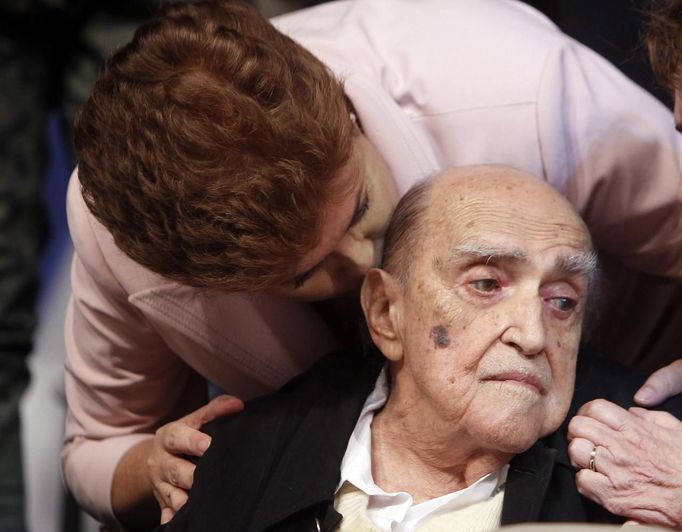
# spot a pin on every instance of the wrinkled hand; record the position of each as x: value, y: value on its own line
x: 638, y: 461
x: 171, y: 475
x: 662, y: 384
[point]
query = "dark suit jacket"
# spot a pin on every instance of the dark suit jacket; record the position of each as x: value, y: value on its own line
x: 276, y: 465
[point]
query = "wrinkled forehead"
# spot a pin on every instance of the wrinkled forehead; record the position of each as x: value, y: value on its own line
x: 526, y: 217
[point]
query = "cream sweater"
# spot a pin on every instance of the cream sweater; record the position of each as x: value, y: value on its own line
x: 351, y: 503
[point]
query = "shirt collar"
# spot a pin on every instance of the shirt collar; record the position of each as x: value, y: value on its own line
x: 397, y: 511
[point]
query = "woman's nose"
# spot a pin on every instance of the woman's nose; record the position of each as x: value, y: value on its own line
x: 357, y: 256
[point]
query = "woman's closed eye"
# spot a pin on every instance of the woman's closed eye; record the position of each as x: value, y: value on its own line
x: 300, y: 280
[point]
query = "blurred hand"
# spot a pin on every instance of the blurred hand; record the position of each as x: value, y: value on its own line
x: 171, y: 475
x: 638, y: 461
x: 662, y: 384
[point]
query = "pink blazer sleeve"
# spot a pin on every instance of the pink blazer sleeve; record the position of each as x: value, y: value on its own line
x: 122, y: 381
x: 613, y: 149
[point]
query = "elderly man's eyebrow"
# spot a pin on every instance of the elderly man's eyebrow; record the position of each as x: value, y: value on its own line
x: 489, y: 252
x: 580, y: 263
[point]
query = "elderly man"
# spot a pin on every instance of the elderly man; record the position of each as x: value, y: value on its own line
x: 478, y: 312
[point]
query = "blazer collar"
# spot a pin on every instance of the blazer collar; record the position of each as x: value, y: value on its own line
x: 529, y: 478
x: 317, y: 448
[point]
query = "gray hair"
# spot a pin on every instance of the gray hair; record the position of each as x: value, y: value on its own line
x: 404, y: 230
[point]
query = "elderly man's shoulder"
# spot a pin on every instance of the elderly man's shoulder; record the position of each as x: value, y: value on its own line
x: 597, y: 377
x: 338, y: 381
x: 282, y: 452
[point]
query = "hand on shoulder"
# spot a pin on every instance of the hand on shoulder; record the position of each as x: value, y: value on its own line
x: 171, y: 474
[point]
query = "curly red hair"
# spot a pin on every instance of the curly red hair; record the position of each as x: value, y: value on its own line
x: 209, y: 147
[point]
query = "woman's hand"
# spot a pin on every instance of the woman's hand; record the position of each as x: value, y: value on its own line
x: 630, y: 461
x: 171, y: 474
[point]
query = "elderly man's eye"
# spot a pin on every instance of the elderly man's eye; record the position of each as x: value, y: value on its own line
x: 485, y: 285
x: 564, y: 304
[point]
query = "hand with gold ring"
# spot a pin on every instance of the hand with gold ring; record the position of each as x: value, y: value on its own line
x: 629, y: 461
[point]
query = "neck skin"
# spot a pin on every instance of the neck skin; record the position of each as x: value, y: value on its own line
x: 418, y: 452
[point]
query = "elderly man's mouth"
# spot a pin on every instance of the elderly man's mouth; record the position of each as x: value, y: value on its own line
x: 531, y: 382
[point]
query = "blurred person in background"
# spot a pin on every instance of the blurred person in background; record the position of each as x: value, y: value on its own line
x: 51, y: 51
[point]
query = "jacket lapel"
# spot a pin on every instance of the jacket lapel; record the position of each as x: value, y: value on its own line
x: 307, y: 473
x: 527, y: 481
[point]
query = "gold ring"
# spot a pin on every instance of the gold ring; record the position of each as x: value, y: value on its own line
x: 591, y: 464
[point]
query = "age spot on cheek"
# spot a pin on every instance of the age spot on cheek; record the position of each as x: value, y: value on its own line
x: 440, y: 336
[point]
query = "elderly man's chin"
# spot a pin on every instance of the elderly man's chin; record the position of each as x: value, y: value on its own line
x: 513, y: 427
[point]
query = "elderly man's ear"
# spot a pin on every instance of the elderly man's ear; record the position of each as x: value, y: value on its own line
x: 381, y: 297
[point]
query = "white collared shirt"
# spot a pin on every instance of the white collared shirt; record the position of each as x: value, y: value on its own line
x: 397, y: 512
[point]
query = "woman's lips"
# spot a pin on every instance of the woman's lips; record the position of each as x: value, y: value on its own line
x: 531, y: 381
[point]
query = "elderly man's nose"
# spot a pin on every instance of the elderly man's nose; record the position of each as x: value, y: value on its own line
x: 526, y: 331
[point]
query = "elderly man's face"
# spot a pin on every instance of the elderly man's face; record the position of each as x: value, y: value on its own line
x: 490, y: 319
